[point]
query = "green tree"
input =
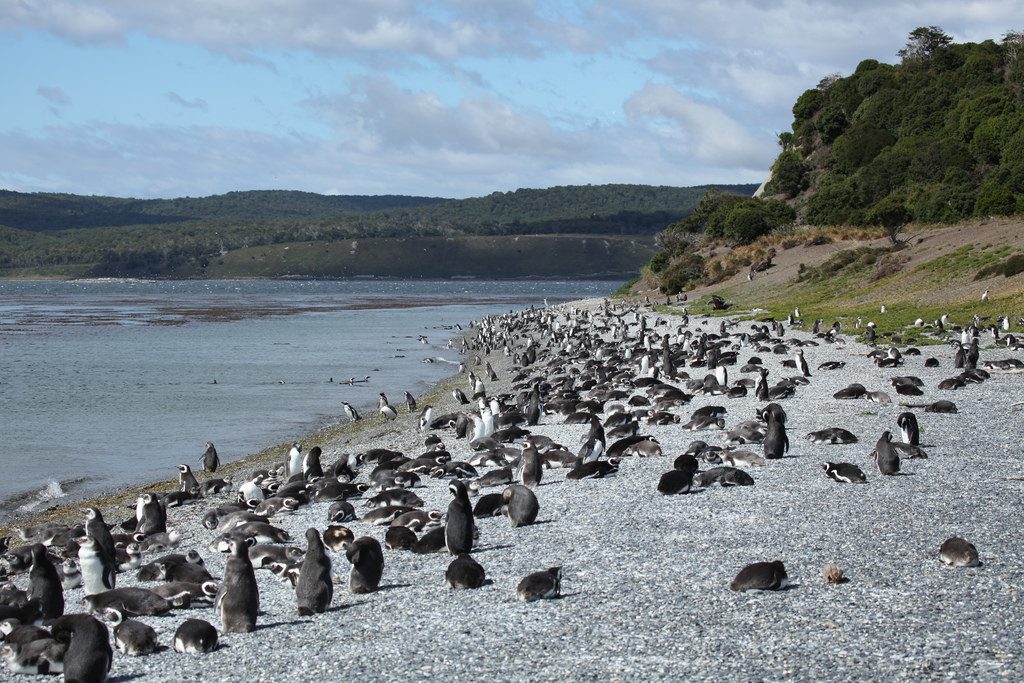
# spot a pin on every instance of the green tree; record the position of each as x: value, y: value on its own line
x: 923, y: 42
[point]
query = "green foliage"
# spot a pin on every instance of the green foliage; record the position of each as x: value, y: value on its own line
x: 943, y: 133
x: 890, y: 213
x: 1013, y: 265
x: 681, y: 273
x: 790, y: 174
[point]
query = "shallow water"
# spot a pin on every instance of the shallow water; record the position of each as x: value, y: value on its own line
x: 110, y: 383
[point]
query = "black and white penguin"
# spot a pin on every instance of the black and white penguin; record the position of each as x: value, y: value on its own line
x: 96, y: 528
x: 958, y: 552
x: 312, y: 468
x: 410, y: 402
x: 338, y: 537
x: 426, y: 417
x: 761, y: 576
x: 350, y: 412
x: 520, y: 505
x: 886, y: 457
x: 399, y: 537
x: 88, y: 656
x: 314, y: 588
x: 37, y: 657
x: 844, y: 472
x: 907, y: 422
x: 801, y: 363
x: 465, y: 573
x: 210, y: 459
x: 386, y: 410
x: 676, y: 481
x: 151, y: 514
x: 543, y: 585
x: 131, y: 637
x: 531, y: 468
x: 98, y: 571
x: 459, y: 528
x: 294, y: 460
x: 45, y: 585
x: 367, y: 559
x: 186, y: 479
x: 595, y: 444
x: 775, y: 440
x: 195, y: 636
x: 238, y: 598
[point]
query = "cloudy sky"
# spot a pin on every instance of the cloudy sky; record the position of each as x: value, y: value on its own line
x: 449, y: 98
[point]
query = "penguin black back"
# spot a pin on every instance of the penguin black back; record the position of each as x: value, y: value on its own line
x: 89, y: 655
x: 45, y: 584
x: 367, y: 560
x: 314, y: 588
x: 458, y: 535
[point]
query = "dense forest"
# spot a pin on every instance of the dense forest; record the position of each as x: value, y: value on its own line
x: 116, y: 236
x: 937, y: 138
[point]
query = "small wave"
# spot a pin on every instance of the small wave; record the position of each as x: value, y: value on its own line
x: 35, y: 500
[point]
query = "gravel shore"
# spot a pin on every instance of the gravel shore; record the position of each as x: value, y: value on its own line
x: 645, y: 576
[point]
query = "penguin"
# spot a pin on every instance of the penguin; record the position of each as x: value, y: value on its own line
x: 543, y: 585
x: 399, y: 537
x: 386, y: 410
x: 153, y: 517
x: 131, y: 637
x: 195, y: 636
x: 520, y: 505
x: 367, y: 561
x: 238, y: 599
x: 338, y: 537
x: 801, y: 364
x: 761, y: 576
x: 410, y: 402
x: 98, y: 571
x: 89, y: 655
x: 96, y: 528
x: 294, y: 462
x: 844, y: 472
x: 775, y: 439
x: 595, y: 444
x: 311, y: 465
x: 314, y: 588
x: 45, y: 585
x: 35, y: 657
x: 985, y: 295
x: 186, y: 480
x: 530, y: 469
x: 350, y: 412
x: 886, y: 457
x: 426, y: 417
x: 458, y: 534
x: 210, y: 459
x: 15, y: 632
x: 907, y: 422
x: 465, y: 573
x: 958, y: 552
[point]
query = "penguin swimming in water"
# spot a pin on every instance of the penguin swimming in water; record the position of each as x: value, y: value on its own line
x: 458, y: 531
x: 238, y: 598
x: 195, y: 636
x: 886, y: 457
x: 465, y: 573
x: 543, y: 585
x: 350, y: 412
x: 314, y: 588
x: 761, y: 576
x: 210, y: 459
x: 367, y: 561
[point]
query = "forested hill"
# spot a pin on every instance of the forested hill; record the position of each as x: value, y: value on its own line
x: 937, y: 138
x: 115, y: 236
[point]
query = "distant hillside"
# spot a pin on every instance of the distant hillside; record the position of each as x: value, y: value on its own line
x: 107, y: 236
x: 935, y: 139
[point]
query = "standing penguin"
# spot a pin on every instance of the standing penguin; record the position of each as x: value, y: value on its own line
x: 45, y: 585
x: 533, y: 406
x: 153, y: 516
x: 426, y: 417
x: 410, y: 402
x: 801, y: 363
x: 594, y: 446
x: 238, y: 599
x: 367, y: 560
x: 294, y: 462
x: 311, y: 465
x: 520, y: 505
x: 530, y: 469
x: 210, y: 459
x: 96, y: 528
x: 350, y: 412
x: 886, y: 457
x: 98, y: 570
x: 186, y: 480
x: 458, y: 531
x: 761, y: 388
x: 314, y: 588
x: 89, y: 655
x: 775, y: 439
x: 386, y: 410
x: 907, y: 422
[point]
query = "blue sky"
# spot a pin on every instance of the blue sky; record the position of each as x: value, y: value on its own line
x: 451, y: 98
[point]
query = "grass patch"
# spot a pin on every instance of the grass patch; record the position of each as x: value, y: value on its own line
x: 1014, y: 265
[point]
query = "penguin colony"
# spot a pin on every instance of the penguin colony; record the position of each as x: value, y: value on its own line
x: 65, y: 606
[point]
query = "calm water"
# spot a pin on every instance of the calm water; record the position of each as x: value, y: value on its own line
x: 109, y: 383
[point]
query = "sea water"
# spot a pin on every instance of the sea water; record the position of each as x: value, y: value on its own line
x: 109, y: 383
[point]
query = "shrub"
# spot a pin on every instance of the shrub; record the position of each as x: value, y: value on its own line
x: 681, y: 273
x: 994, y: 199
x: 1014, y: 265
x: 789, y: 174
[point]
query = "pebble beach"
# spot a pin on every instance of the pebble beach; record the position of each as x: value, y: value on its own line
x: 645, y: 588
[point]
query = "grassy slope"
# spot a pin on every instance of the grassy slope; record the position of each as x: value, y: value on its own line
x: 936, y: 275
x: 480, y: 257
